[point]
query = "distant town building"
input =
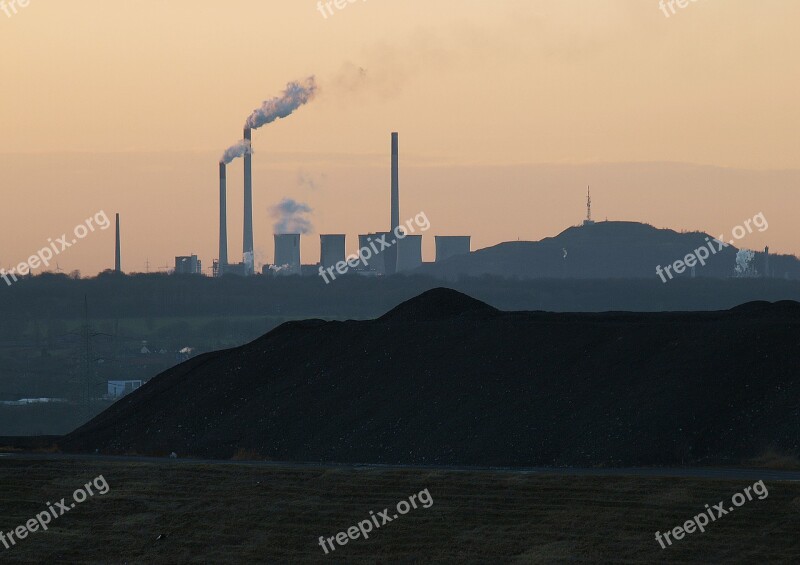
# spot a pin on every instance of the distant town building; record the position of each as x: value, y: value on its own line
x: 117, y: 389
x: 26, y: 401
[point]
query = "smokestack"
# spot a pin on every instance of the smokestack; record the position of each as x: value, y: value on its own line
x: 390, y: 255
x: 247, y: 241
x: 223, y: 217
x: 118, y: 253
x: 395, y: 182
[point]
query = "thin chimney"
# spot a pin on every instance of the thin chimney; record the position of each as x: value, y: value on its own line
x: 223, y: 218
x: 118, y: 254
x: 390, y: 255
x: 395, y: 181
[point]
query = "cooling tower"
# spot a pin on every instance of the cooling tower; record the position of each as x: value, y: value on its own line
x: 409, y: 253
x: 332, y: 249
x: 247, y: 241
x: 118, y: 251
x: 223, y: 218
x: 376, y: 262
x: 287, y: 253
x: 451, y: 245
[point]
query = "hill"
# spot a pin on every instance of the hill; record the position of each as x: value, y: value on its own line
x: 613, y: 250
x: 444, y: 379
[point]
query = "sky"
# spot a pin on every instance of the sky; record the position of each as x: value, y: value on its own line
x: 506, y: 111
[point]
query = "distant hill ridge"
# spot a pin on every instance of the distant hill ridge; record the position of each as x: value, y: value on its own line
x: 603, y: 250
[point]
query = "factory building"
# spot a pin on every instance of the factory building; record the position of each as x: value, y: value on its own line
x: 188, y: 265
x: 239, y: 269
x: 451, y: 245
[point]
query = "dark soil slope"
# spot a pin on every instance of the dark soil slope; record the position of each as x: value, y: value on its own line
x: 445, y: 379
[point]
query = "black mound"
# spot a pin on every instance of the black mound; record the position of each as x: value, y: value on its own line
x: 437, y: 304
x: 445, y: 379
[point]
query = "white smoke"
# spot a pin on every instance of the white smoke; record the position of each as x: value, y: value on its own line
x: 310, y: 181
x: 240, y: 149
x: 744, y: 266
x: 249, y: 261
x: 290, y: 217
x: 296, y: 94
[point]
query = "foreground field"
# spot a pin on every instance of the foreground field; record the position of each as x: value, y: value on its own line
x: 180, y: 512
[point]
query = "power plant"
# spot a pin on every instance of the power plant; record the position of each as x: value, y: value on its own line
x: 403, y: 254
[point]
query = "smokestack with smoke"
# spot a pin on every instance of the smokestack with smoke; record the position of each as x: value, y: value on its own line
x: 290, y: 217
x: 239, y: 149
x: 247, y: 240
x: 242, y: 148
x: 296, y: 94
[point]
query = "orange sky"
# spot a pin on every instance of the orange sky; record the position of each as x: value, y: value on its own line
x: 506, y: 111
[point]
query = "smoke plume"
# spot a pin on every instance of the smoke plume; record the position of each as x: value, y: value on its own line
x: 296, y: 94
x: 309, y: 180
x: 290, y: 217
x: 240, y: 149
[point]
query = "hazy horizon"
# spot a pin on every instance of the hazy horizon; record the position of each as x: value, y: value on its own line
x: 687, y: 122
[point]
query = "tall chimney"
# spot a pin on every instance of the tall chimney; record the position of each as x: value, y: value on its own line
x: 118, y: 253
x: 223, y: 217
x: 395, y: 182
x: 247, y: 241
x: 390, y: 255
